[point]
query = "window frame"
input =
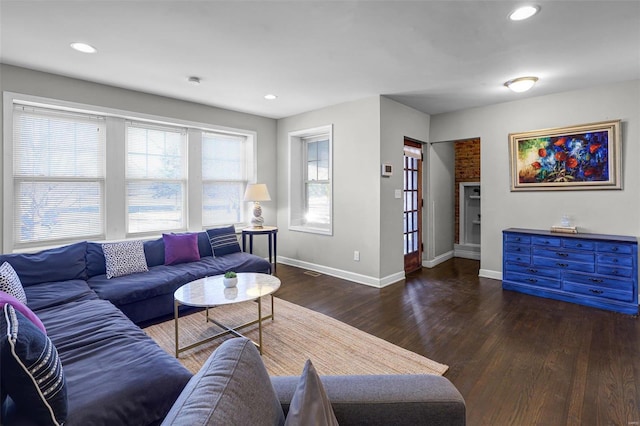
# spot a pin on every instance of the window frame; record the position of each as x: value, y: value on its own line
x: 298, y: 179
x: 115, y: 212
x: 13, y: 180
x: 248, y: 176
x: 182, y: 181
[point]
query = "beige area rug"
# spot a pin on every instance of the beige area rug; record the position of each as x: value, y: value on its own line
x: 296, y: 334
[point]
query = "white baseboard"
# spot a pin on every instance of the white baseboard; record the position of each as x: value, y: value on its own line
x: 467, y: 251
x: 487, y: 273
x: 345, y: 275
x: 438, y: 260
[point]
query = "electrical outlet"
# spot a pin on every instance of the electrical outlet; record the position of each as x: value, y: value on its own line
x: 356, y: 256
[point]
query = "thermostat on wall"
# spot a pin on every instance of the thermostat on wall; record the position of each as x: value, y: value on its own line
x: 387, y: 169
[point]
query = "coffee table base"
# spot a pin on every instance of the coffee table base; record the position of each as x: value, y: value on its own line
x: 228, y: 330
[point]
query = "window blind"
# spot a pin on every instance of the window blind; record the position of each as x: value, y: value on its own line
x: 156, y: 178
x: 58, y: 175
x: 225, y: 171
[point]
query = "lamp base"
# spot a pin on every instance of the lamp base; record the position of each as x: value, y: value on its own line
x: 257, y: 221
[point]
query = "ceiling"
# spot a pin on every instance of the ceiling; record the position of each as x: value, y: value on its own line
x: 435, y: 56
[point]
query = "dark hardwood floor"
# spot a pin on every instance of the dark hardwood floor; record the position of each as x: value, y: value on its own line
x: 516, y: 359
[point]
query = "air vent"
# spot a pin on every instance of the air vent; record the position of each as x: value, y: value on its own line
x: 313, y: 273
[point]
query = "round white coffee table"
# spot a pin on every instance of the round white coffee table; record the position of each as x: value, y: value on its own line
x: 210, y: 292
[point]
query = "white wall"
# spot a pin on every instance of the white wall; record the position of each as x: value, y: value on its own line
x: 25, y: 81
x: 397, y: 121
x: 356, y: 193
x: 441, y: 189
x: 598, y: 211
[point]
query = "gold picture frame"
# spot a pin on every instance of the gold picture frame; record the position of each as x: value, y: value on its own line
x: 581, y: 157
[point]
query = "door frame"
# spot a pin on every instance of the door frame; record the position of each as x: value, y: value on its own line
x: 420, y: 191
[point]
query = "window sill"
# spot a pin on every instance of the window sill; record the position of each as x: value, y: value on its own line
x: 311, y: 229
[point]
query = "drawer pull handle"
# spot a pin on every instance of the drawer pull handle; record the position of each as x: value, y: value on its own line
x: 596, y: 280
x: 517, y: 239
x: 562, y: 265
x: 532, y: 280
x: 578, y: 245
x: 533, y: 271
x: 596, y: 291
x: 562, y: 254
x: 614, y: 249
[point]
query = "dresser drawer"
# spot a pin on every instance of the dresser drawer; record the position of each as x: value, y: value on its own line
x: 532, y: 280
x: 546, y: 241
x: 519, y: 258
x: 517, y: 248
x: 615, y: 248
x: 531, y: 270
x: 563, y: 264
x: 600, y: 281
x: 578, y: 244
x: 564, y: 254
x: 518, y: 238
x: 603, y: 292
x: 616, y: 271
x: 612, y: 259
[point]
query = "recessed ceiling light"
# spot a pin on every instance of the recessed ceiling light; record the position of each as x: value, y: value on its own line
x: 83, y: 47
x: 524, y: 12
x: 521, y: 84
x: 194, y: 80
x: 270, y: 97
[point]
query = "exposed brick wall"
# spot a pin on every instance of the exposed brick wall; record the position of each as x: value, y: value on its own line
x: 467, y: 169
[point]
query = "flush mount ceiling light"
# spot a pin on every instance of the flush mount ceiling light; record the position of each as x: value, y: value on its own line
x: 194, y: 80
x: 83, y: 47
x: 270, y: 97
x: 524, y: 12
x: 521, y: 84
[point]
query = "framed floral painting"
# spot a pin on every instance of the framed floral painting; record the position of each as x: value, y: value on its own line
x: 587, y: 156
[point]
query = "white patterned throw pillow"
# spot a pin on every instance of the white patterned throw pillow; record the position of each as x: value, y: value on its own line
x: 124, y: 258
x: 10, y: 283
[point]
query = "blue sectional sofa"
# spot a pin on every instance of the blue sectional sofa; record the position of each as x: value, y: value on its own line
x: 115, y: 374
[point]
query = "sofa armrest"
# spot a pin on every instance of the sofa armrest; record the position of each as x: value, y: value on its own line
x: 386, y: 399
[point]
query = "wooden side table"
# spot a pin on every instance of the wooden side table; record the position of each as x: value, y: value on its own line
x: 271, y: 232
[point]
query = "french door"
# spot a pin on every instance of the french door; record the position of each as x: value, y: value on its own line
x: 412, y: 206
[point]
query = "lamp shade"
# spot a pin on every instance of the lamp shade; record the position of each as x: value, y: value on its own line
x: 256, y: 192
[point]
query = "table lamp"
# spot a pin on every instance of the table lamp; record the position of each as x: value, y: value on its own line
x: 257, y: 192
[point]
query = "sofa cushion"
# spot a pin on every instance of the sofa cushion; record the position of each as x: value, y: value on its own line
x: 95, y: 260
x: 124, y: 258
x: 115, y: 373
x: 10, y: 282
x: 45, y: 295
x: 57, y: 264
x: 154, y: 252
x: 180, y: 248
x: 223, y: 240
x: 31, y: 372
x: 310, y: 404
x: 6, y: 298
x: 136, y: 287
x: 232, y: 387
x: 204, y: 245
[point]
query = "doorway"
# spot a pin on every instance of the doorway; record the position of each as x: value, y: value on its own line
x: 412, y: 176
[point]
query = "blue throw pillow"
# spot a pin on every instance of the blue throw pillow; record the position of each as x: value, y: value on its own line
x: 31, y: 370
x: 223, y: 241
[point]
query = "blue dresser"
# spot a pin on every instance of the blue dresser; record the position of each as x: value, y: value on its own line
x: 589, y: 269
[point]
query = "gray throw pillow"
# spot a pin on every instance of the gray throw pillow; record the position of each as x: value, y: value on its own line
x: 231, y: 388
x: 310, y: 404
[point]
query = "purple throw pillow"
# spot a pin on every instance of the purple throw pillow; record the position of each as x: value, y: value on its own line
x: 22, y: 308
x: 180, y: 248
